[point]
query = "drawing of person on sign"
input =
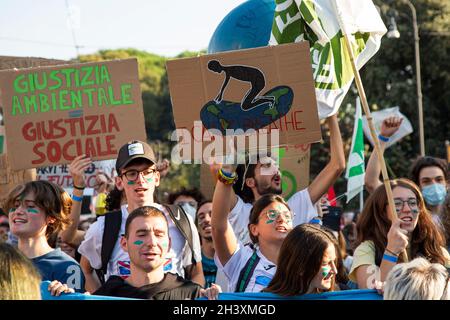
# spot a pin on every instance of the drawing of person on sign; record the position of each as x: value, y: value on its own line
x: 255, y: 111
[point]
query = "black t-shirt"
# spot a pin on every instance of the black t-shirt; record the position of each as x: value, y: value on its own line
x: 172, y: 287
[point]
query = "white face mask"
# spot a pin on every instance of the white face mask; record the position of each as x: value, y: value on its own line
x: 434, y: 194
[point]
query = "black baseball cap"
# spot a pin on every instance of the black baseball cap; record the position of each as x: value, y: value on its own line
x: 134, y: 150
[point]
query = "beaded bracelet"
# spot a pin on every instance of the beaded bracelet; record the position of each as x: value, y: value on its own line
x: 226, y: 178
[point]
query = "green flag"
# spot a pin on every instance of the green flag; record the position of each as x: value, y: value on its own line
x: 355, y: 165
x: 322, y: 23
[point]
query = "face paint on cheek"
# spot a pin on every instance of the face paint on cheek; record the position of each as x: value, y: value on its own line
x: 138, y: 242
x: 34, y: 211
x: 270, y: 221
x: 130, y: 183
x: 149, y: 180
x: 415, y: 211
x: 165, y: 244
x: 326, y: 271
x: 12, y: 210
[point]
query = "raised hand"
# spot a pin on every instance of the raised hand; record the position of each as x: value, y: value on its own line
x: 390, y: 125
x: 77, y: 168
x: 397, y: 238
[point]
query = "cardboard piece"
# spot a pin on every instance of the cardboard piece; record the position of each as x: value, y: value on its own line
x: 61, y: 176
x: 294, y: 166
x: 9, y: 178
x: 195, y: 86
x: 207, y: 183
x: 53, y: 114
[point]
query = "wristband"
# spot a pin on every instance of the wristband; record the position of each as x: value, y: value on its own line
x: 79, y: 188
x: 391, y: 252
x: 226, y: 179
x: 383, y: 138
x: 390, y: 258
x: 76, y: 198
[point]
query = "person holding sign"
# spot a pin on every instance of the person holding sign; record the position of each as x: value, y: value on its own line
x: 38, y: 210
x: 381, y: 242
x: 255, y: 180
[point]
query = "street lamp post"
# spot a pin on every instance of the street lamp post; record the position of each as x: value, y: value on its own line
x: 418, y: 78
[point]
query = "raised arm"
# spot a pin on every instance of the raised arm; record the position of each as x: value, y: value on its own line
x: 328, y: 176
x: 214, y: 169
x: 225, y: 241
x: 76, y: 169
x: 389, y: 126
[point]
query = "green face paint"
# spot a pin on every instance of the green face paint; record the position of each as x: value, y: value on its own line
x: 164, y: 244
x: 270, y: 221
x: 325, y: 271
x: 138, y: 242
x: 31, y: 210
x: 130, y: 183
x: 149, y: 180
x: 12, y: 210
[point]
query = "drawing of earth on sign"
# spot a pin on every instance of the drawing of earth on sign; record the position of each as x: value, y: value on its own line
x: 255, y: 111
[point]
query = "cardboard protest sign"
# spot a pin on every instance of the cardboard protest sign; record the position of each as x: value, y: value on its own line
x: 262, y: 89
x: 294, y: 167
x: 207, y: 183
x: 61, y: 176
x: 52, y: 114
x: 9, y: 178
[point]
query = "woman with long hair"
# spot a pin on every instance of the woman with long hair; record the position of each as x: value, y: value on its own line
x: 381, y: 242
x: 306, y: 263
x: 249, y: 268
x: 19, y: 279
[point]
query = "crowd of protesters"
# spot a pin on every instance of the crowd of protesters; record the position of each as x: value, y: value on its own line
x: 247, y: 238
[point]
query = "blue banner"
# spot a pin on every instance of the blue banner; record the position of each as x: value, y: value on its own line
x: 337, y: 295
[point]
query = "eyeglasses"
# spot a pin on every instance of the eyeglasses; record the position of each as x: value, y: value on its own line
x: 273, y: 214
x: 133, y: 174
x: 400, y: 203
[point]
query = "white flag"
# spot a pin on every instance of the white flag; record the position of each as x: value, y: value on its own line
x: 355, y: 166
x: 323, y: 23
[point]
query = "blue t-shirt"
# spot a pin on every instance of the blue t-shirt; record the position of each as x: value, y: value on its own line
x: 209, y: 270
x: 57, y: 265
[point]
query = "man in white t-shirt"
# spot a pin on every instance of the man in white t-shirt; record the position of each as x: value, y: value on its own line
x: 137, y: 179
x: 264, y: 177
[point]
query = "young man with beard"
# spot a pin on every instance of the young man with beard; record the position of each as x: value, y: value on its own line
x: 137, y: 179
x: 264, y: 177
x: 203, y: 223
x: 147, y: 242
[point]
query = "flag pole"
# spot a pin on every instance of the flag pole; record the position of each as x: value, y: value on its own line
x: 362, y: 95
x: 366, y: 108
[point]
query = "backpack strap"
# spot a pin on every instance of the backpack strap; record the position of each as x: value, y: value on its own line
x: 247, y: 272
x: 113, y: 221
x: 180, y: 218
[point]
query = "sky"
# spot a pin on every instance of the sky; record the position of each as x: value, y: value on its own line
x: 50, y: 28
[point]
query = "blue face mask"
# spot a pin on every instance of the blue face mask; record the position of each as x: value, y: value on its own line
x: 190, y: 210
x: 434, y: 194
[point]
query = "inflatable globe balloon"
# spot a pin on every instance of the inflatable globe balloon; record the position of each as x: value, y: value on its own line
x: 247, y: 26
